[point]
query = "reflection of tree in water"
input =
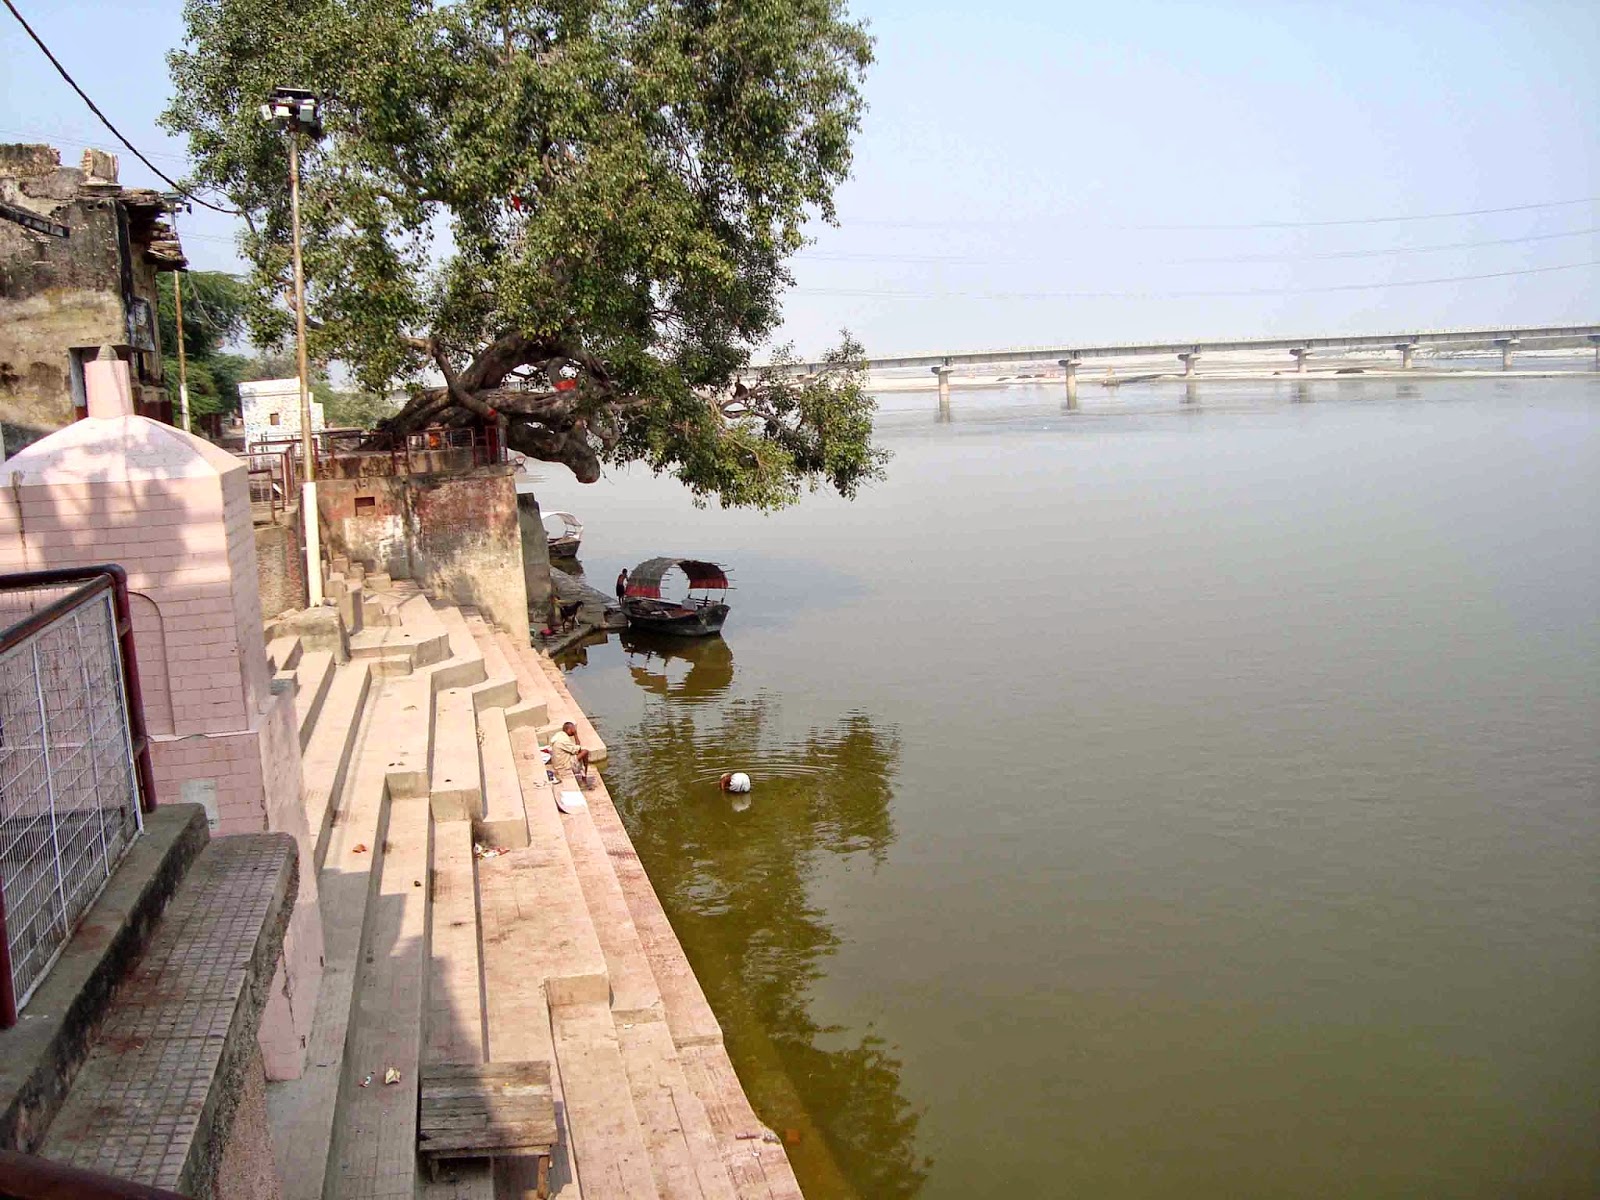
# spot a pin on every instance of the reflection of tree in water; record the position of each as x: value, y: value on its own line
x: 736, y: 888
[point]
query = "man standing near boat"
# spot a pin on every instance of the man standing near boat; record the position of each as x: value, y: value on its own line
x: 622, y: 584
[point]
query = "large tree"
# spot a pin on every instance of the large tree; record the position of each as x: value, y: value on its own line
x: 570, y: 217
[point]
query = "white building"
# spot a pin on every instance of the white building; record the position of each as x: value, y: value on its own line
x: 271, y: 411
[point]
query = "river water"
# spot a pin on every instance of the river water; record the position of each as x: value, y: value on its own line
x: 1161, y: 799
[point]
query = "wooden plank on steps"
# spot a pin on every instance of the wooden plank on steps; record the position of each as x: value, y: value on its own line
x: 455, y: 1032
x: 607, y: 1139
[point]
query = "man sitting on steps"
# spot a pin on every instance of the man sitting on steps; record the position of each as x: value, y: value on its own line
x: 567, y: 757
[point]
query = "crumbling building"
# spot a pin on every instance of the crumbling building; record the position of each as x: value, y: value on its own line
x: 79, y: 256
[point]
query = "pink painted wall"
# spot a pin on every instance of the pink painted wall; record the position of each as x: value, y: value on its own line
x: 174, y: 512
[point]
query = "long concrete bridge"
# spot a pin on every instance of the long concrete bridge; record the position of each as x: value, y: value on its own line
x: 1070, y: 357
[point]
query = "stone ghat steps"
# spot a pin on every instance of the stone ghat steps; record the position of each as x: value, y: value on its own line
x: 425, y: 744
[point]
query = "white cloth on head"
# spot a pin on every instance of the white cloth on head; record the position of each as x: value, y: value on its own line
x: 738, y: 782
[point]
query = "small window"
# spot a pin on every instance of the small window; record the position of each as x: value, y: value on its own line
x: 275, y: 419
x: 366, y: 501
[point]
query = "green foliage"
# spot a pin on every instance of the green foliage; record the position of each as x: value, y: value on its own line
x: 579, y: 212
x: 214, y: 305
x: 356, y: 410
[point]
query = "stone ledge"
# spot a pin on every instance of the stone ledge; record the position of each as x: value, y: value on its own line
x: 40, y: 1057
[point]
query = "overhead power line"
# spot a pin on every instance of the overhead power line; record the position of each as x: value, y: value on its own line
x: 106, y: 121
x: 1338, y: 287
x: 1037, y: 260
x: 1390, y: 220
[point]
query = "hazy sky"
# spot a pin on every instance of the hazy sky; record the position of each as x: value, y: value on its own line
x: 1027, y: 167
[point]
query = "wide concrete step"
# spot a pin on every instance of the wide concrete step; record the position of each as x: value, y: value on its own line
x: 313, y: 677
x: 532, y: 708
x: 505, y: 817
x: 327, y: 752
x: 374, y: 1151
x: 607, y: 1138
x: 420, y: 648
x: 688, y: 1013
x: 685, y: 1151
x: 754, y: 1158
x: 499, y: 688
x: 283, y: 653
x: 155, y: 1100
x: 456, y: 784
x: 455, y: 1028
x: 635, y: 996
x: 303, y: 1112
x: 556, y: 942
x: 517, y: 1016
x: 562, y: 706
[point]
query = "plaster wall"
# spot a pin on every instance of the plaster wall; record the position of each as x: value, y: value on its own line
x: 454, y: 534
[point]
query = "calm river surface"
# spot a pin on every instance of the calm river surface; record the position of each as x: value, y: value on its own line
x: 1157, y: 800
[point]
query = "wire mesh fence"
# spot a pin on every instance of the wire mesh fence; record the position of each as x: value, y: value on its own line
x: 69, y: 796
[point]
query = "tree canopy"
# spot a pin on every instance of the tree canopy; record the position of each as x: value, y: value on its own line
x: 214, y: 304
x: 570, y: 217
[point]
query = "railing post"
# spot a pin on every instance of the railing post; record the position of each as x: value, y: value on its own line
x: 8, y: 991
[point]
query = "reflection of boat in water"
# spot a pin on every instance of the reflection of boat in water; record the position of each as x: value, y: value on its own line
x: 693, y: 616
x: 709, y: 664
x: 564, y: 534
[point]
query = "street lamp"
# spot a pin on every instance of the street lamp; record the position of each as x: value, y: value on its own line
x: 175, y: 204
x: 296, y: 111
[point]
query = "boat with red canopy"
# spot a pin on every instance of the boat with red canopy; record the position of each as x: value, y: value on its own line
x: 694, y: 615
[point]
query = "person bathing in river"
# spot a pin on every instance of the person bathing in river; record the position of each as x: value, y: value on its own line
x: 734, y: 781
x: 567, y: 757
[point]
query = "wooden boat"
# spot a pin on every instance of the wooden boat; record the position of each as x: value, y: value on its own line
x: 693, y: 616
x: 565, y: 535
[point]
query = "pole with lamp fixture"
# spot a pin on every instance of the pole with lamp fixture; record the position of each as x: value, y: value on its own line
x: 175, y: 205
x: 297, y: 111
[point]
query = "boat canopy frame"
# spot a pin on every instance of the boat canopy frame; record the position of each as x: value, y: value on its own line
x: 644, y: 581
x: 571, y: 526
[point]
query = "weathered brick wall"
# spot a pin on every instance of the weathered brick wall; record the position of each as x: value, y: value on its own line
x: 455, y: 534
x: 466, y: 545
x: 281, y: 564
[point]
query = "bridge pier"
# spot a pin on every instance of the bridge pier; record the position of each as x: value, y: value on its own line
x: 1507, y: 348
x: 1407, y: 349
x: 944, y: 387
x: 1594, y: 338
x: 1301, y: 353
x: 1188, y: 359
x: 1070, y: 366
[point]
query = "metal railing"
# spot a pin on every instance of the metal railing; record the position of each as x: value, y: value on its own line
x: 74, y: 761
x: 273, y: 477
x: 481, y: 441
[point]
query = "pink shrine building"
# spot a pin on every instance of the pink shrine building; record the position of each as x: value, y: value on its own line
x: 174, y: 511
